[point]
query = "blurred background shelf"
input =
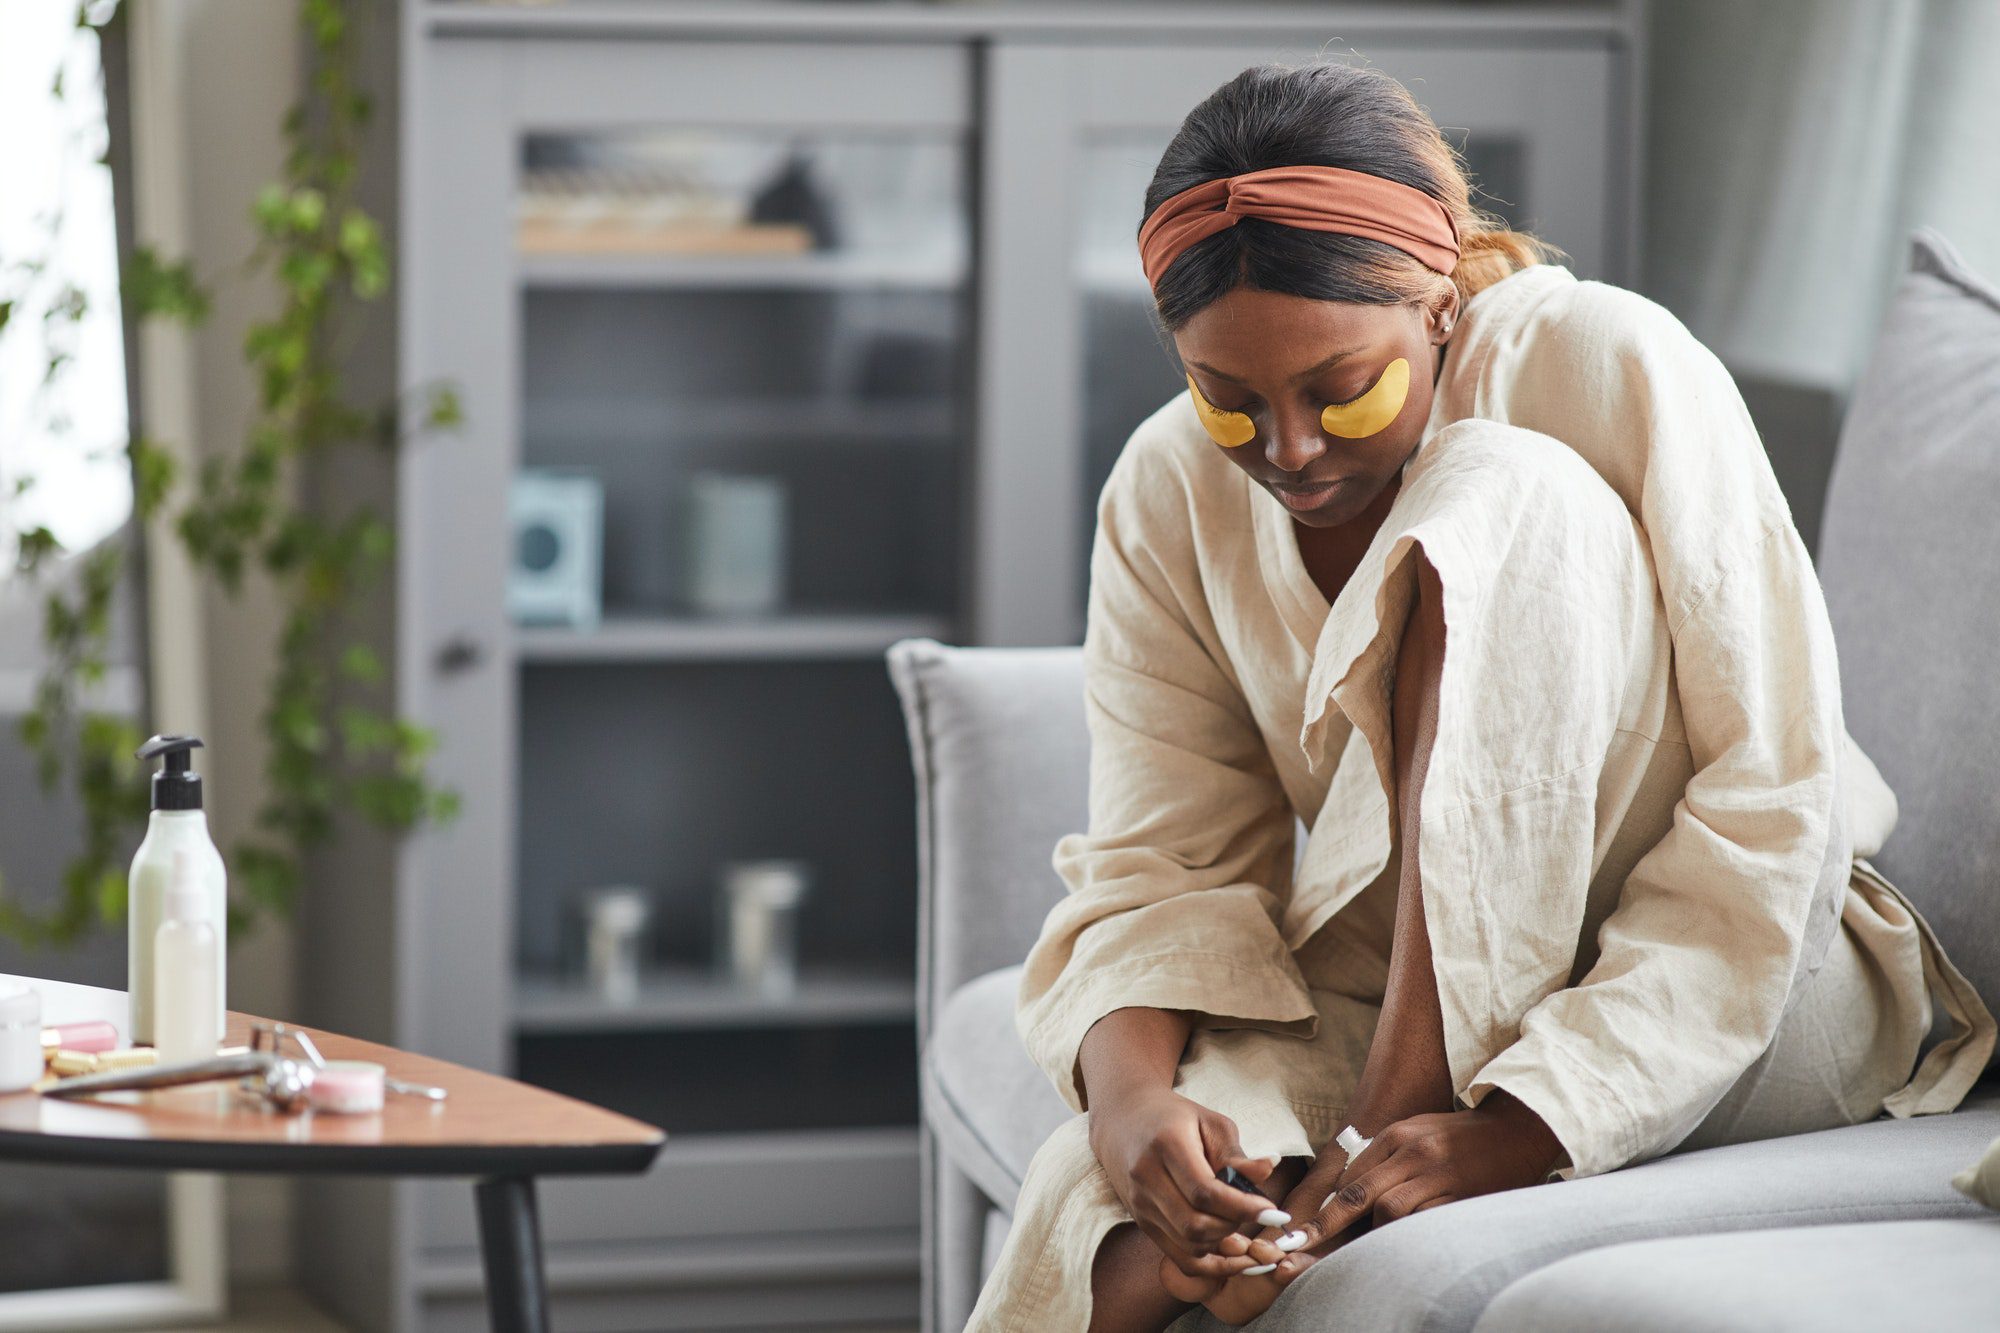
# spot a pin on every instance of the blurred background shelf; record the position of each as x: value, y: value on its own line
x: 693, y: 639
x: 691, y: 997
x: 824, y: 272
x: 799, y: 422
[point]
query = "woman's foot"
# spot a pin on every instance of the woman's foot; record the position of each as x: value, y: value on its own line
x: 1237, y: 1300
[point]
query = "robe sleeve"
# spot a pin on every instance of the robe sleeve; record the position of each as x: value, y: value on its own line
x: 1177, y: 889
x: 1697, y: 960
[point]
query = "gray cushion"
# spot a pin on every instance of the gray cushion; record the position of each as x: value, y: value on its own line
x: 1941, y: 1276
x: 1438, y: 1270
x: 1907, y: 554
x: 986, y: 1101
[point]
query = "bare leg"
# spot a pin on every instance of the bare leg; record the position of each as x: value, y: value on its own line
x: 1125, y: 1291
x: 1406, y: 1073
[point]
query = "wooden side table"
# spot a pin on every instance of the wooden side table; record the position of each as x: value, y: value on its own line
x: 501, y: 1133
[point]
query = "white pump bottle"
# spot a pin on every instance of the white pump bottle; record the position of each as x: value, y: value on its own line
x: 176, y: 825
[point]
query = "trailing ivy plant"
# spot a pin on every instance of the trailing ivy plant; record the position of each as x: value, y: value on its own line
x: 331, y: 744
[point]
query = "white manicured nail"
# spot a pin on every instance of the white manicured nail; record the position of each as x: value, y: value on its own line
x: 1258, y: 1270
x: 1273, y: 1217
x: 1290, y: 1241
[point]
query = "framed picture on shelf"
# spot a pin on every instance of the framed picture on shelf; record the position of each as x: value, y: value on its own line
x: 555, y: 575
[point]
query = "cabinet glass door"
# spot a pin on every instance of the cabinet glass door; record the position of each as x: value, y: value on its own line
x: 743, y: 285
x: 748, y: 344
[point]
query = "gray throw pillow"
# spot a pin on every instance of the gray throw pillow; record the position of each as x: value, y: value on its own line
x: 1908, y: 556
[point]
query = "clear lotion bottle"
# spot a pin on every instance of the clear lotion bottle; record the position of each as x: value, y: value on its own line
x: 177, y: 825
x: 187, y: 1018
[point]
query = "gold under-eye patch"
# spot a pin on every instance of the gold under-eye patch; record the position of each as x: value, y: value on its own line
x: 1227, y: 429
x: 1372, y: 411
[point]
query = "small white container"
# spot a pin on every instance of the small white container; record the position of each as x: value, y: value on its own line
x: 615, y: 922
x: 759, y: 911
x: 347, y: 1087
x: 735, y: 544
x: 20, y: 1039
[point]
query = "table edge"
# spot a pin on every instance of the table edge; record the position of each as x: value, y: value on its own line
x: 358, y: 1159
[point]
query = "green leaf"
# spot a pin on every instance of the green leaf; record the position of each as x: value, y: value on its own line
x: 156, y: 287
x: 34, y: 546
x: 365, y: 733
x: 153, y: 473
x: 358, y: 233
x: 270, y: 210
x: 325, y: 21
x: 446, y: 410
x: 110, y: 895
x: 307, y: 212
x: 371, y: 275
x: 444, y: 807
x: 360, y: 663
x: 306, y: 273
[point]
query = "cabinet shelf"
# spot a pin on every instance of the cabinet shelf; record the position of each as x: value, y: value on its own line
x: 821, y: 272
x: 798, y: 637
x: 687, y: 997
x: 804, y: 422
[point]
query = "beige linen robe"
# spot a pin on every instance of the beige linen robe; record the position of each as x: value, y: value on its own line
x: 1642, y: 817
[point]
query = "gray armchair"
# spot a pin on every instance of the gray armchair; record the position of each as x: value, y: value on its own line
x: 1852, y: 1228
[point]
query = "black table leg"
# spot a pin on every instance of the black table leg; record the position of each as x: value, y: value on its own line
x: 510, y: 1247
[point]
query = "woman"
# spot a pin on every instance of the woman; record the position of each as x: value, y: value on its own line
x: 1480, y: 572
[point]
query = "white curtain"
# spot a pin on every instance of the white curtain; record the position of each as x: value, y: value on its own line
x: 1794, y: 145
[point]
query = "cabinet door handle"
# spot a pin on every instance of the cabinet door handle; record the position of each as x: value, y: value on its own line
x: 458, y: 655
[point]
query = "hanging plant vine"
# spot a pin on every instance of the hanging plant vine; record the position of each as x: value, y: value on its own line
x: 331, y: 743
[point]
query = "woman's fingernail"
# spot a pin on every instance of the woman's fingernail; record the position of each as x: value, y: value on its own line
x: 1290, y: 1241
x: 1258, y: 1271
x: 1273, y: 1217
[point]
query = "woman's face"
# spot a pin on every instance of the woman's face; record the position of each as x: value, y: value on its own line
x: 1309, y: 393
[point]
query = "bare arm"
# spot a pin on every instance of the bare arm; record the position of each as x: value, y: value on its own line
x: 1132, y: 1050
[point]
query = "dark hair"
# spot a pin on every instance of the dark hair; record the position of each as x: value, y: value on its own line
x: 1333, y: 114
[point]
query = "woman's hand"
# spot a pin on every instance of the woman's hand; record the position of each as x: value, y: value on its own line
x: 1421, y: 1162
x: 1161, y: 1152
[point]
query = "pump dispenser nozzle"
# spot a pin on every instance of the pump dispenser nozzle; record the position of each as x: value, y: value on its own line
x: 176, y: 786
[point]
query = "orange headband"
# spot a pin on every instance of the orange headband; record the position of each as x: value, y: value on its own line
x: 1354, y: 203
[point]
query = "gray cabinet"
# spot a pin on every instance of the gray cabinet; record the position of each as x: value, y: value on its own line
x: 880, y: 258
